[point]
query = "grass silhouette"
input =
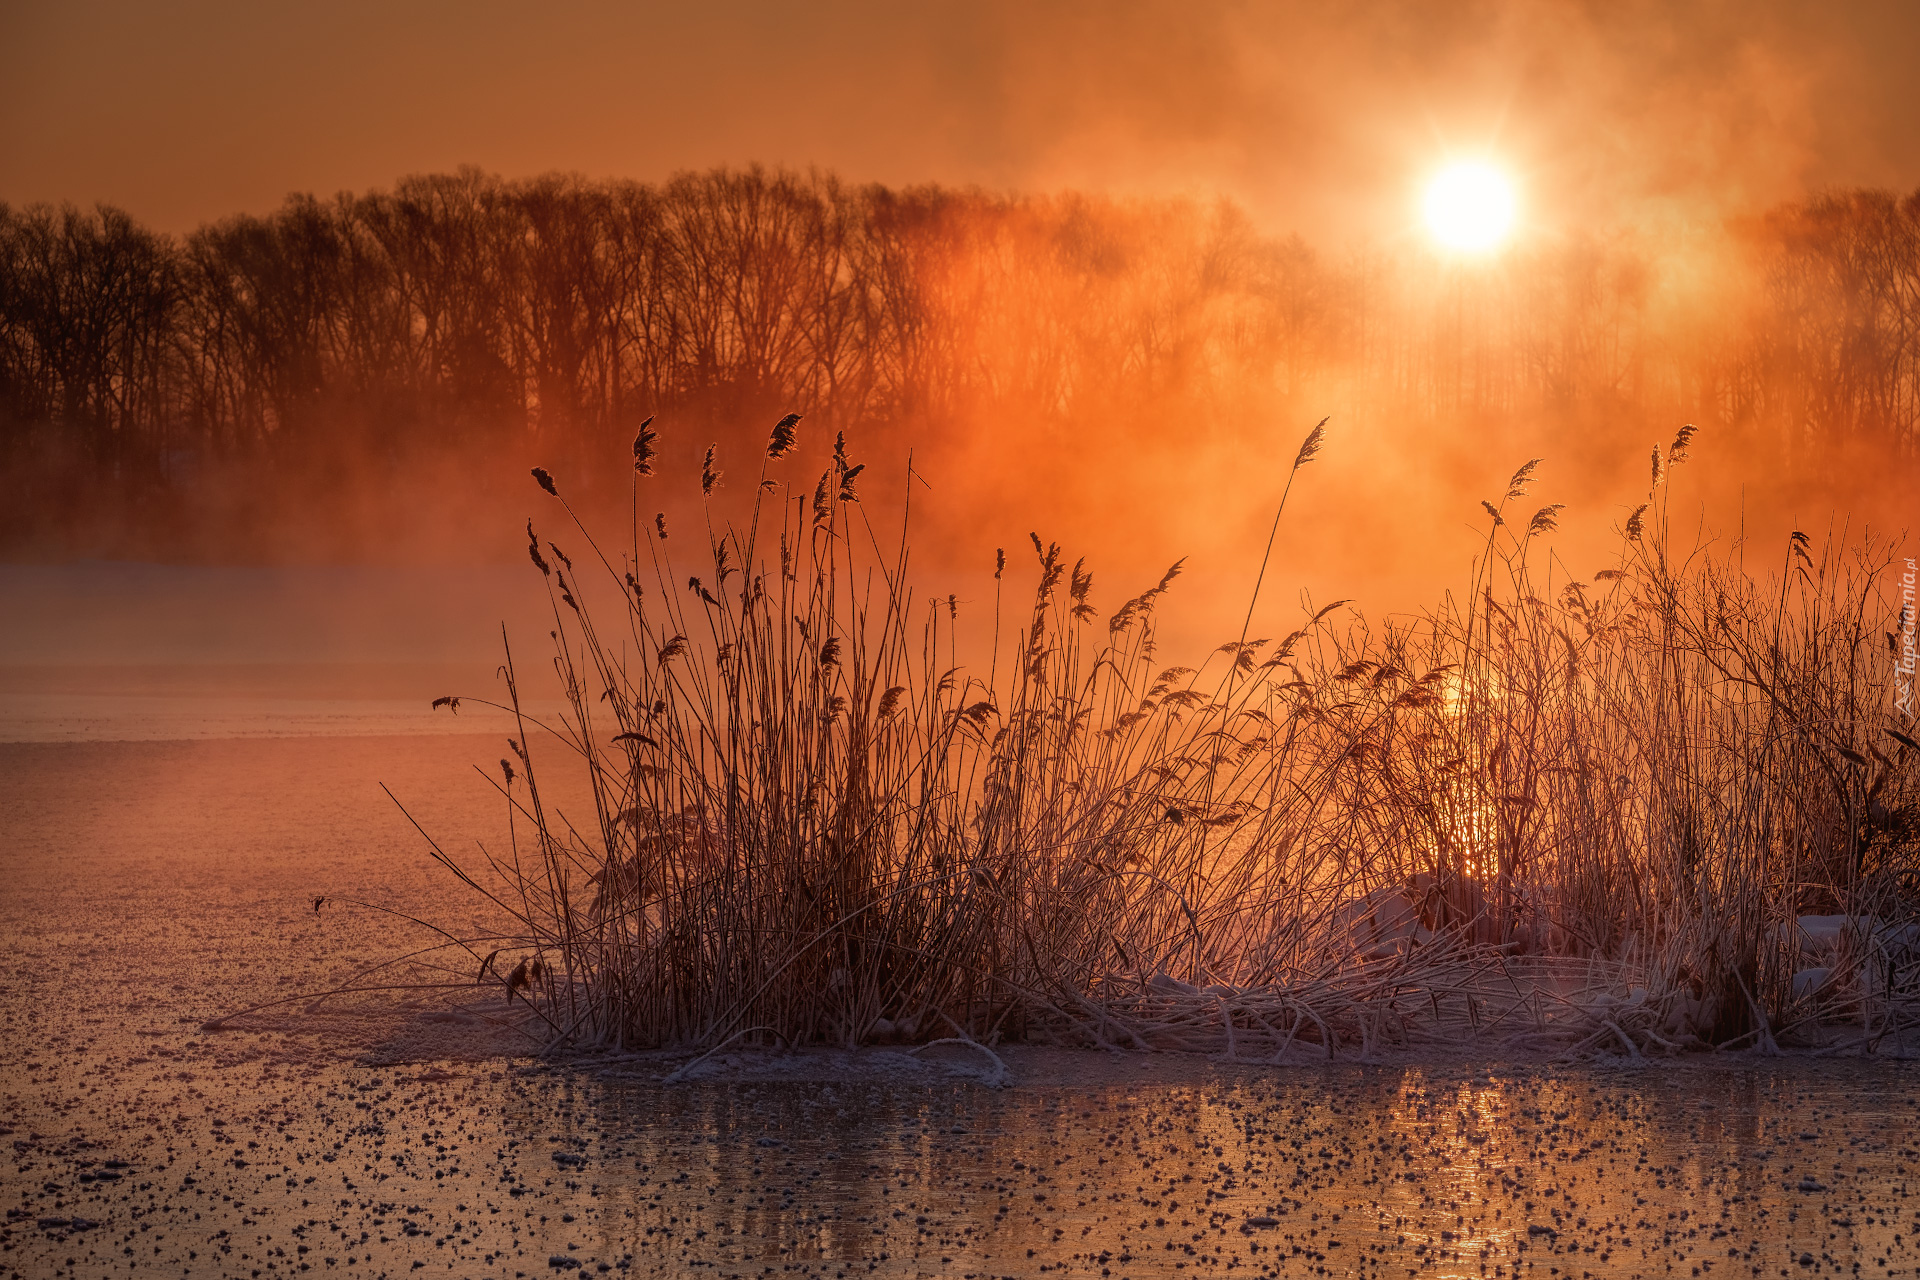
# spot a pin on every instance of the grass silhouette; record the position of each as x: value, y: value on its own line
x: 1597, y: 821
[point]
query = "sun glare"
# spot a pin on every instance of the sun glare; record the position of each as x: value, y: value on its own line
x: 1470, y: 207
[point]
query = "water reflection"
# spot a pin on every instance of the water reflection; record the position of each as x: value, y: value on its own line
x: 1349, y: 1171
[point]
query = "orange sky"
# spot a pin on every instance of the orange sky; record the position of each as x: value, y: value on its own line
x: 1319, y: 116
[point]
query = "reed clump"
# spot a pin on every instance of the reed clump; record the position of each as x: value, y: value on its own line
x: 1589, y: 815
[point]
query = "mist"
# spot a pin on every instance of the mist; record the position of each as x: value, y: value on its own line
x: 1140, y: 250
x: 369, y: 379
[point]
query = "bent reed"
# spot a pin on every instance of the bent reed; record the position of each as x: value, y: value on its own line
x: 1583, y: 816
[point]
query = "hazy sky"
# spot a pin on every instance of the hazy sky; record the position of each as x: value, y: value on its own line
x: 1320, y: 116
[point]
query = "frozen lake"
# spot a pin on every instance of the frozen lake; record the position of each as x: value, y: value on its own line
x: 105, y: 651
x: 168, y: 826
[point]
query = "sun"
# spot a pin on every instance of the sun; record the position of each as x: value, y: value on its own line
x: 1470, y: 206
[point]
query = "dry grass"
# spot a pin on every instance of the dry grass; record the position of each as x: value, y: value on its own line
x: 1588, y: 821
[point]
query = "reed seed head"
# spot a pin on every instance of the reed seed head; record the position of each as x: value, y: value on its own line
x: 1310, y: 447
x: 533, y: 550
x: 1079, y: 584
x: 643, y: 450
x: 1677, y: 454
x: 1517, y: 486
x: 784, y: 436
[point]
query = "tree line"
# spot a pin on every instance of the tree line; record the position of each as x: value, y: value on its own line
x: 467, y: 316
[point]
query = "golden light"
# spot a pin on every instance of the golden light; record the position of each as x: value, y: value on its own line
x: 1470, y: 207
